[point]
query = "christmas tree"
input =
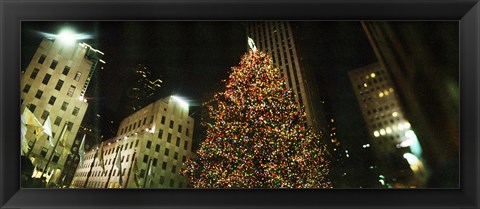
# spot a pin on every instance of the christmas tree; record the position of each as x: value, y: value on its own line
x: 258, y: 136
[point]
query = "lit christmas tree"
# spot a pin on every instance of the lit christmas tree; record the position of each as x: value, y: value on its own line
x: 258, y: 137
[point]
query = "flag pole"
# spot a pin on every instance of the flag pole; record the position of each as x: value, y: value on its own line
x: 113, y: 165
x: 33, y: 145
x: 146, y: 172
x: 130, y: 170
x: 55, y: 147
x: 90, y: 171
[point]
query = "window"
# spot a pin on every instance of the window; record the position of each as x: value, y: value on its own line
x: 39, y: 94
x: 128, y: 157
x: 55, y: 158
x: 42, y: 59
x: 69, y: 126
x: 54, y: 64
x: 26, y: 88
x: 52, y: 100
x: 179, y: 128
x: 187, y: 132
x: 160, y: 133
x: 162, y: 179
x: 171, y: 124
x: 164, y: 165
x: 175, y: 156
x: 131, y: 145
x: 77, y: 76
x: 46, y: 79
x: 145, y: 158
x: 185, y: 145
x: 184, y: 158
x: 171, y: 182
x: 169, y: 138
x: 71, y: 90
x: 66, y: 70
x: 151, y: 119
x: 64, y: 106
x: 149, y: 144
x: 144, y: 121
x: 177, y: 142
x: 45, y: 114
x: 167, y: 151
x: 75, y: 111
x: 59, y: 85
x: 44, y: 151
x: 163, y: 120
x: 154, y: 163
x: 57, y: 121
x: 34, y: 73
x: 136, y: 144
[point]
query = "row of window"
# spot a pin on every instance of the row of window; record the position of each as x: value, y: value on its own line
x: 53, y: 65
x: 98, y: 184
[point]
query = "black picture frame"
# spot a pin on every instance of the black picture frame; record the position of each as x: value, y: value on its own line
x: 13, y: 12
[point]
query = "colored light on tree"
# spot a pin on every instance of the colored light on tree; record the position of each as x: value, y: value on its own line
x: 258, y: 137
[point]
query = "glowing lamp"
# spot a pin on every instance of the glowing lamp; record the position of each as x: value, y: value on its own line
x: 67, y: 37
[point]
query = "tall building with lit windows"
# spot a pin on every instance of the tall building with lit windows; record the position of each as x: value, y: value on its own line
x: 142, y: 89
x: 152, y: 145
x: 54, y: 84
x: 398, y: 152
x: 277, y: 39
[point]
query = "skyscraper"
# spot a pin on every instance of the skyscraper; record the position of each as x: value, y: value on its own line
x: 54, y: 84
x: 423, y: 59
x: 151, y: 146
x: 277, y: 39
x: 142, y: 89
x: 395, y: 144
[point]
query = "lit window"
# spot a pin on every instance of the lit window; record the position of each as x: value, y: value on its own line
x: 376, y: 134
x: 71, y: 90
x: 382, y: 131
x: 395, y: 114
x: 380, y: 95
x: 372, y: 75
x: 388, y: 130
x: 365, y: 85
x: 78, y: 75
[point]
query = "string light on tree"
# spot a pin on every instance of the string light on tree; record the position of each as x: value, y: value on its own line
x: 258, y: 137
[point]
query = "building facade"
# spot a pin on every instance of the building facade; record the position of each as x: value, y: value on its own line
x: 142, y: 90
x: 423, y: 59
x: 54, y: 84
x: 151, y: 145
x: 277, y: 39
x: 395, y: 144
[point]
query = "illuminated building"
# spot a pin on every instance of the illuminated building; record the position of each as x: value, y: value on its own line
x: 142, y: 89
x: 423, y: 60
x: 277, y: 39
x: 54, y: 84
x: 158, y: 137
x: 92, y: 133
x: 391, y: 133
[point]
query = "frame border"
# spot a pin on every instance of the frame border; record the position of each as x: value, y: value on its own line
x: 467, y: 12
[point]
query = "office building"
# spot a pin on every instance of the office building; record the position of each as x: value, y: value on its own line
x: 142, y: 89
x: 394, y: 143
x: 423, y: 59
x: 152, y: 145
x: 54, y: 84
x: 277, y: 39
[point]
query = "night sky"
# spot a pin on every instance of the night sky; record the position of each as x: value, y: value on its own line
x: 191, y: 57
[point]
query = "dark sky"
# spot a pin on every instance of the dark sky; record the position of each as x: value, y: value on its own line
x: 191, y: 57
